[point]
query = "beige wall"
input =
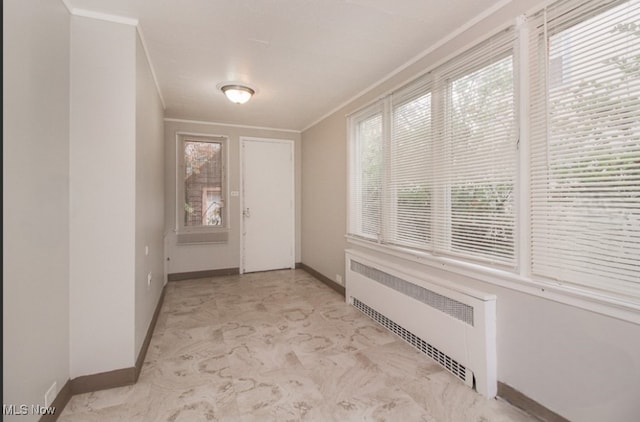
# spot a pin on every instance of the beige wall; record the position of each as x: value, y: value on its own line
x: 149, y: 246
x: 102, y: 169
x: 117, y: 196
x: 187, y: 258
x: 578, y: 363
x: 324, y: 193
x: 35, y: 147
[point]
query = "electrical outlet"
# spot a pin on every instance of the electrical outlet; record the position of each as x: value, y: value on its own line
x: 339, y: 278
x: 51, y: 394
x: 146, y: 250
x: 148, y: 279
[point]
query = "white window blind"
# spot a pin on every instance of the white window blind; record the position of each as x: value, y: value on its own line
x: 475, y: 156
x: 585, y: 145
x: 367, y: 173
x: 433, y: 165
x: 410, y: 181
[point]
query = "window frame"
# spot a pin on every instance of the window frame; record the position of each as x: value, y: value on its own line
x: 437, y: 84
x: 420, y: 88
x: 518, y: 278
x: 202, y: 233
x: 354, y: 206
x: 540, y: 43
x: 445, y: 77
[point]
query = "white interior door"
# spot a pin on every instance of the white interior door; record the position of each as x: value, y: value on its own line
x: 268, y: 218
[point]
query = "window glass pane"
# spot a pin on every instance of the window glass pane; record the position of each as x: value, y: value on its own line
x: 481, y: 124
x: 586, y: 186
x: 202, y: 184
x: 370, y: 168
x: 411, y: 154
x: 212, y: 215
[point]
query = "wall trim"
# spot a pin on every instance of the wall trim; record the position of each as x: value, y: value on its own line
x: 105, y: 380
x: 147, y: 339
x: 532, y: 407
x: 68, y: 6
x: 203, y: 274
x: 104, y: 16
x: 153, y: 70
x: 63, y: 397
x: 125, y: 21
x: 200, y: 122
x: 326, y: 280
x: 452, y: 35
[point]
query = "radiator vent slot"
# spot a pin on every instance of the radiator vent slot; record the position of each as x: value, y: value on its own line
x: 458, y: 310
x: 445, y: 361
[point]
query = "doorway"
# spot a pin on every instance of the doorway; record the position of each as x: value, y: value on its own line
x: 268, y: 206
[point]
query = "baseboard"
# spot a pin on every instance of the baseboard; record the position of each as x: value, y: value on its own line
x: 532, y: 407
x: 63, y: 397
x: 203, y: 274
x: 105, y: 380
x: 326, y: 280
x: 147, y: 339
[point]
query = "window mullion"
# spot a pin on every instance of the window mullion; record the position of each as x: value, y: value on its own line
x: 388, y: 197
x: 522, y: 189
x: 440, y: 217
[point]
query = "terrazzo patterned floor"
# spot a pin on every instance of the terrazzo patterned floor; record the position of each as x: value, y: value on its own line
x: 280, y: 346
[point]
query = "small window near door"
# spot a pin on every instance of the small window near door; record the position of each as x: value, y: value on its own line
x: 201, y: 187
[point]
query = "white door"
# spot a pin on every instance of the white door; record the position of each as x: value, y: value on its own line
x: 268, y: 218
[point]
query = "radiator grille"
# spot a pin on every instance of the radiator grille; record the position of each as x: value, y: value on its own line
x: 458, y: 310
x: 449, y: 364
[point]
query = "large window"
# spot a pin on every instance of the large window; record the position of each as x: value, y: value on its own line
x: 448, y: 166
x: 201, y: 184
x: 434, y: 164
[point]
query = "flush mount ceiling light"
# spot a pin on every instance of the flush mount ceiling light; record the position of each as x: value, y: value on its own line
x: 237, y: 93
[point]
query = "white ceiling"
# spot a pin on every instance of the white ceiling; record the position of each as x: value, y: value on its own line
x: 304, y: 57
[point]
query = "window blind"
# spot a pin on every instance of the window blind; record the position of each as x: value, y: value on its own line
x: 366, y: 173
x: 410, y: 180
x: 585, y: 145
x: 475, y: 156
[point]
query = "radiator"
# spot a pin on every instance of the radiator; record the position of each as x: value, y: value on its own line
x: 453, y: 324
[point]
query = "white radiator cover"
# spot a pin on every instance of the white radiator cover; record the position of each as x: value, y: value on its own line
x: 447, y: 321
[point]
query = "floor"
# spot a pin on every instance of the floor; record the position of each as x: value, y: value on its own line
x: 281, y: 346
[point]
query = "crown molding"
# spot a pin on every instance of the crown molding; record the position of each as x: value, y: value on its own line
x: 200, y: 122
x: 488, y: 12
x: 104, y: 16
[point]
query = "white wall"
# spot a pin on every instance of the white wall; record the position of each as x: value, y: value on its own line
x: 149, y: 196
x: 35, y: 200
x: 187, y: 258
x: 580, y: 364
x: 103, y: 189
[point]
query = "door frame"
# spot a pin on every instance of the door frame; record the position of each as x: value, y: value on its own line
x: 291, y: 144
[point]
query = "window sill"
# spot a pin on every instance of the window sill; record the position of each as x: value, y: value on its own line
x: 615, y: 307
x: 202, y: 238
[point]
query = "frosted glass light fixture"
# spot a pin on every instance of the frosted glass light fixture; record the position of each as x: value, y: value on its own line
x: 238, y: 94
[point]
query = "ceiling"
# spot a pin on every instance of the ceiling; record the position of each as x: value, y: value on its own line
x: 304, y: 57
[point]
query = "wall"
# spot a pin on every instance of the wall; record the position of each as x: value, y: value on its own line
x: 577, y: 363
x: 35, y: 200
x: 187, y: 258
x: 103, y: 189
x: 149, y: 225
x: 324, y: 195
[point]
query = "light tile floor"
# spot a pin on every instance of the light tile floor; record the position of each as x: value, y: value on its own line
x: 281, y: 346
